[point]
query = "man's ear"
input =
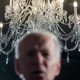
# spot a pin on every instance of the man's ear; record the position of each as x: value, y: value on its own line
x: 16, y: 66
x: 58, y: 67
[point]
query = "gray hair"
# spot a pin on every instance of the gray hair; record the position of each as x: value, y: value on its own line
x: 53, y: 36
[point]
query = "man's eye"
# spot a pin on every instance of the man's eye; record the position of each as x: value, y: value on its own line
x: 31, y: 54
x: 46, y: 54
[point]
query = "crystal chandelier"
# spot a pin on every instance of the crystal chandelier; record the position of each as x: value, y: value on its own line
x: 27, y: 15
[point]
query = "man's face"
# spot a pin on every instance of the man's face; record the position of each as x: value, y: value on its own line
x: 38, y: 58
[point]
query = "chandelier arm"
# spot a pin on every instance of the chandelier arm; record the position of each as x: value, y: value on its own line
x: 72, y: 49
x: 23, y: 17
x: 7, y: 52
x: 62, y: 30
x: 66, y: 35
x: 12, y: 47
x: 7, y: 41
x: 8, y: 38
x: 66, y: 23
x: 65, y: 38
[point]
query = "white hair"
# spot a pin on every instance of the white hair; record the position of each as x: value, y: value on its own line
x: 41, y: 32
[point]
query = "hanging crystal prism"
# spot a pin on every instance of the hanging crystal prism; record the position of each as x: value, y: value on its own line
x: 65, y: 46
x: 0, y: 48
x: 79, y: 48
x: 68, y: 59
x: 7, y: 60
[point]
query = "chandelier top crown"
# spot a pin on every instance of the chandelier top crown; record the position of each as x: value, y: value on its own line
x: 40, y: 12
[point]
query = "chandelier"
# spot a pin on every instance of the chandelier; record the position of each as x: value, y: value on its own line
x: 27, y: 15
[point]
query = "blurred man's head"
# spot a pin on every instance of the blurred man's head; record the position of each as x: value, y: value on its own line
x: 37, y: 56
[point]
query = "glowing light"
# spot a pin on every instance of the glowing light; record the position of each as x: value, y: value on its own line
x: 75, y: 4
x: 1, y: 25
x: 61, y: 1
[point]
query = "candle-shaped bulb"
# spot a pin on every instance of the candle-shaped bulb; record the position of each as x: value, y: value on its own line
x: 1, y: 25
x: 35, y: 10
x: 10, y: 3
x: 75, y: 10
x: 75, y: 4
x: 61, y: 1
x: 61, y: 5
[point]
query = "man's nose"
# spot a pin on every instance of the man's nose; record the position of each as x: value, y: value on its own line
x: 38, y: 58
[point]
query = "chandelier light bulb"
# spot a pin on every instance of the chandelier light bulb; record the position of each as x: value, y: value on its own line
x: 35, y: 10
x: 11, y: 3
x: 61, y: 1
x: 1, y: 25
x: 75, y: 10
x: 75, y: 4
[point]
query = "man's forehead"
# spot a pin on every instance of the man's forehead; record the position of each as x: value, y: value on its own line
x: 37, y: 42
x: 36, y: 38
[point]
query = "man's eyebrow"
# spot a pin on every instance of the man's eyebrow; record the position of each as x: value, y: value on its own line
x: 44, y: 49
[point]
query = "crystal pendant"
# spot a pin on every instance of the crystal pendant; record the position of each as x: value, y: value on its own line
x: 7, y: 60
x: 68, y: 59
x: 79, y: 48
